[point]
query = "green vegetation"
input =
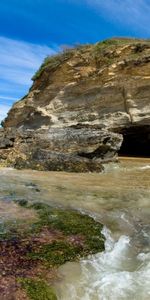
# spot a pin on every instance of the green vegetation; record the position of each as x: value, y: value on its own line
x: 100, y: 46
x: 56, y: 253
x: 101, y: 51
x: 69, y: 223
x: 37, y: 289
x: 52, y: 62
x: 104, y: 52
x: 55, y: 237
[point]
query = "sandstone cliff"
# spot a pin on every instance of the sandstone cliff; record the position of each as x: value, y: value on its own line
x: 83, y: 105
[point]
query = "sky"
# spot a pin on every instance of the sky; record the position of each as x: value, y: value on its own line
x: 32, y: 29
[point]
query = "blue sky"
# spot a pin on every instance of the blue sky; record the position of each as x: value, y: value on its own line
x: 33, y: 29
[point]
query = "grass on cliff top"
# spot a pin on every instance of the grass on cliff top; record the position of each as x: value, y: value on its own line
x: 100, y: 46
x: 104, y: 52
x: 53, y: 61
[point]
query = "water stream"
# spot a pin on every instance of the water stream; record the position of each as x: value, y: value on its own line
x: 120, y: 199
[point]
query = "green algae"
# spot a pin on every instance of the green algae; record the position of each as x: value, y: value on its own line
x: 54, y: 238
x: 56, y: 253
x: 67, y: 222
x: 71, y: 224
x: 37, y: 289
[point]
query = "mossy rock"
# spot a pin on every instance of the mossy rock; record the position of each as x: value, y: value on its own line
x: 70, y: 224
x: 56, y: 253
x: 57, y: 236
x: 37, y: 289
x: 65, y: 221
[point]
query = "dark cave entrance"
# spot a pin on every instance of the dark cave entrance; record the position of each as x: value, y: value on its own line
x: 136, y: 141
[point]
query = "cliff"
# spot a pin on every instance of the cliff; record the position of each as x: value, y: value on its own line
x: 85, y: 105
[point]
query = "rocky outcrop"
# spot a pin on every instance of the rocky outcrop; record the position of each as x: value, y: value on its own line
x: 79, y: 150
x: 81, y: 105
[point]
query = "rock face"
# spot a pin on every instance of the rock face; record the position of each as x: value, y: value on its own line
x: 78, y: 150
x: 82, y: 104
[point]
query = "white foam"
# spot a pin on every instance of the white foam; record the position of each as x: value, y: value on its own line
x: 111, y: 275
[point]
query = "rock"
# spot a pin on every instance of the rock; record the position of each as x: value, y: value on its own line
x: 31, y: 252
x: 82, y: 104
x: 88, y: 148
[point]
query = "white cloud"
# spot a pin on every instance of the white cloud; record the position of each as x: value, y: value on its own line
x: 129, y: 11
x: 134, y: 14
x: 18, y: 62
x: 7, y: 98
x: 3, y: 111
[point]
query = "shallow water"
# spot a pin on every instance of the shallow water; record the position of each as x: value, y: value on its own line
x: 118, y: 273
x: 120, y: 199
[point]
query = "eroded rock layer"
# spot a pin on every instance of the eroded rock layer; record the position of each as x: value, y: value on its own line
x: 81, y: 105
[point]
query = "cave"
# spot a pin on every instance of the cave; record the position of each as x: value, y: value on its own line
x: 136, y: 141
